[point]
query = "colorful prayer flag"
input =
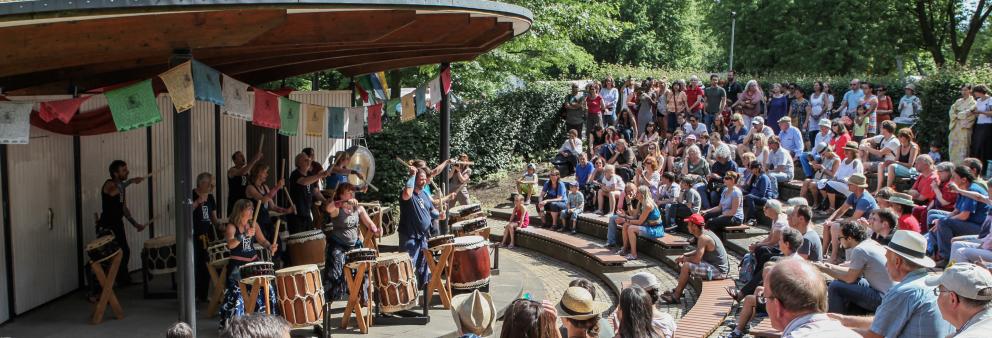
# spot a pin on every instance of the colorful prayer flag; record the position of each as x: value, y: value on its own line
x: 421, y: 100
x: 383, y: 82
x: 393, y: 107
x: 375, y: 118
x: 435, y: 86
x: 266, y: 112
x: 336, y: 122
x: 446, y: 80
x: 409, y: 110
x: 237, y: 104
x: 380, y: 92
x: 134, y: 106
x: 64, y: 110
x: 289, y: 117
x: 179, y: 82
x: 356, y: 122
x: 15, y: 122
x: 314, y: 117
x: 206, y: 83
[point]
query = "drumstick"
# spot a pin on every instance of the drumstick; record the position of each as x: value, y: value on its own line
x: 284, y: 167
x: 291, y: 204
x: 275, y: 238
x: 156, y: 171
x: 258, y: 207
x: 261, y: 141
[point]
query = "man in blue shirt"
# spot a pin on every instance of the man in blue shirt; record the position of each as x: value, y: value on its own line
x: 416, y: 213
x: 863, y: 204
x: 583, y: 170
x: 967, y: 217
x: 790, y: 137
x: 909, y: 309
x: 822, y: 137
x: 851, y: 100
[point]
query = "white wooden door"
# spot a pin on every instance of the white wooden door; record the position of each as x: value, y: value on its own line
x: 43, y: 219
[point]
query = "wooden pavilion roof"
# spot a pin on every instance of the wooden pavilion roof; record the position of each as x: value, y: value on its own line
x: 48, y: 47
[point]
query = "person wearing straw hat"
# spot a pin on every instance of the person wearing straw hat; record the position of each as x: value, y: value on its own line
x: 580, y: 312
x: 909, y: 107
x: 902, y: 204
x: 474, y: 314
x: 859, y: 199
x: 909, y: 308
x: 964, y: 296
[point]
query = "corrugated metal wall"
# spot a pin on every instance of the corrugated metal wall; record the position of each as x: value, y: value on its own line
x: 233, y: 138
x: 43, y: 219
x: 4, y: 313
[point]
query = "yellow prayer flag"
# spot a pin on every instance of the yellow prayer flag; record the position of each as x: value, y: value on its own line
x: 315, y: 122
x: 409, y: 107
x: 382, y: 81
x: 179, y: 82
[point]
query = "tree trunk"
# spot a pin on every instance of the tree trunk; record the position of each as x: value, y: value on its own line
x: 930, y: 40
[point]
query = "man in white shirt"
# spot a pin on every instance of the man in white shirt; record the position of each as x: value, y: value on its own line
x: 965, y: 299
x: 693, y: 127
x: 795, y: 295
x: 863, y: 280
x: 880, y: 148
x: 779, y: 162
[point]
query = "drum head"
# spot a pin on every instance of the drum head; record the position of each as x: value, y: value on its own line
x: 391, y: 257
x: 161, y: 241
x: 362, y: 162
x: 468, y: 240
x: 297, y: 269
x: 96, y: 243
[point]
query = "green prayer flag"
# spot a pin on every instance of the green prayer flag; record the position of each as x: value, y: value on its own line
x: 289, y: 117
x: 393, y: 107
x: 134, y: 106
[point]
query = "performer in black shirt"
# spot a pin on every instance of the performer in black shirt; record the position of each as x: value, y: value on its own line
x: 303, y: 191
x: 112, y: 196
x: 204, y: 229
x: 237, y: 177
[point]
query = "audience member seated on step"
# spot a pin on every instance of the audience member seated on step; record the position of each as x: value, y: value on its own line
x: 757, y: 192
x: 859, y: 284
x: 694, y: 128
x: 881, y: 150
x: 745, y: 169
x: 648, y: 137
x: 737, y: 131
x: 474, y: 314
x: 635, y: 314
x: 790, y: 137
x: 579, y: 312
x: 707, y: 262
x: 904, y: 164
x: 836, y: 186
x: 909, y: 308
x: 840, y: 138
x: 800, y: 219
x: 714, y: 181
x: 788, y: 245
x: 568, y: 153
x: 668, y: 191
x: 779, y: 163
x: 179, y: 330
x: 647, y: 223
x: 674, y: 151
x: 806, y: 159
x: 584, y: 171
x: 773, y: 211
x: 609, y: 194
x: 730, y: 211
x: 758, y: 129
x: 758, y: 146
x: 750, y: 306
x: 593, y: 184
x: 695, y: 165
x: 623, y: 160
x: 256, y: 325
x: 861, y: 201
x: 575, y: 206
x: 609, y: 145
x: 902, y: 205
x: 964, y: 296
x: 527, y: 184
x: 605, y: 327
x: 966, y: 219
x: 925, y: 188
x: 882, y: 197
x: 662, y: 322
x: 976, y: 168
x: 882, y: 223
x: 703, y: 142
x: 795, y: 297
x: 553, y: 199
x: 648, y: 175
x: 717, y: 147
x: 823, y: 169
x: 945, y: 197
x: 974, y: 248
x: 529, y: 318
x: 685, y: 205
x: 628, y: 207
x: 519, y: 219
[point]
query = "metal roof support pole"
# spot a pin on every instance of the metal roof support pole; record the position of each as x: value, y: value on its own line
x: 183, y: 187
x: 445, y: 143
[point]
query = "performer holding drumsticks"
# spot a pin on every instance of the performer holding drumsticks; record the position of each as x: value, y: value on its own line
x: 303, y: 191
x: 458, y: 181
x: 416, y: 214
x: 241, y: 233
x: 237, y: 177
x: 258, y: 191
x: 345, y: 217
x: 204, y: 229
x: 112, y: 196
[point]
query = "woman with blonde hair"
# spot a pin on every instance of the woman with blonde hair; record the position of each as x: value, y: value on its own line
x: 750, y: 101
x: 648, y: 222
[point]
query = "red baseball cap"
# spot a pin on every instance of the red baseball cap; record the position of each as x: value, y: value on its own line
x: 696, y: 219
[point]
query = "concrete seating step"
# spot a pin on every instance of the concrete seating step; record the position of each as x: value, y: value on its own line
x: 711, y: 308
x: 589, y: 248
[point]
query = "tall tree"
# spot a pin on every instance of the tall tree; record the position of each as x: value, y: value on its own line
x: 950, y: 21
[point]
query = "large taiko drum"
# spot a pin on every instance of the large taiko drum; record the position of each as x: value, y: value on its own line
x: 469, y: 227
x: 252, y: 273
x: 306, y: 247
x: 160, y: 255
x: 470, y: 264
x: 463, y: 212
x: 300, y: 293
x: 396, y: 282
x: 102, y: 248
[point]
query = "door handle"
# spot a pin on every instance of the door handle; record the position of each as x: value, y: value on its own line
x: 51, y: 219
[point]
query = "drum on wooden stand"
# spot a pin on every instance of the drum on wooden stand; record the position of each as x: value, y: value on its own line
x: 252, y: 272
x: 437, y: 243
x: 395, y: 282
x: 264, y: 254
x: 160, y: 255
x: 218, y: 253
x: 300, y: 294
x: 306, y: 247
x: 102, y: 248
x: 470, y: 265
x: 356, y: 256
x: 469, y: 227
x: 463, y: 212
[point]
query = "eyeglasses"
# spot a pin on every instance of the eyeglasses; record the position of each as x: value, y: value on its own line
x: 937, y: 291
x: 762, y: 299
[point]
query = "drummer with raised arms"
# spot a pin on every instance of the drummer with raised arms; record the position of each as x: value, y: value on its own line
x: 345, y: 215
x: 258, y: 191
x: 112, y: 197
x: 204, y: 229
x: 240, y: 235
x: 237, y: 177
x: 416, y: 213
x: 303, y: 190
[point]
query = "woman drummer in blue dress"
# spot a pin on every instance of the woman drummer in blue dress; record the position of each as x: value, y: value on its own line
x: 241, y: 234
x: 343, y: 235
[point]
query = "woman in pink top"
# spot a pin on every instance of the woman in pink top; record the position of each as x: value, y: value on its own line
x: 518, y: 219
x: 750, y: 101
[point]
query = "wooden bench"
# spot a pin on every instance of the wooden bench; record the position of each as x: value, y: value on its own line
x: 764, y: 329
x: 598, y: 253
x: 709, y: 312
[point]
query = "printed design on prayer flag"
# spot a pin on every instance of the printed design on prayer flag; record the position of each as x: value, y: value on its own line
x: 64, y: 110
x: 206, y: 83
x: 435, y: 86
x: 289, y: 114
x: 314, y: 116
x: 179, y: 82
x: 409, y: 110
x: 375, y: 118
x: 236, y: 101
x: 446, y: 80
x: 336, y: 122
x: 134, y: 106
x: 266, y: 112
x: 421, y: 100
x: 15, y: 126
x: 356, y: 122
x: 393, y: 107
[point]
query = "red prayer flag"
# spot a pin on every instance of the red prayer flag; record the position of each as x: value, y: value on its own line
x: 446, y: 80
x: 362, y: 93
x: 266, y: 112
x: 375, y: 118
x: 63, y: 110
